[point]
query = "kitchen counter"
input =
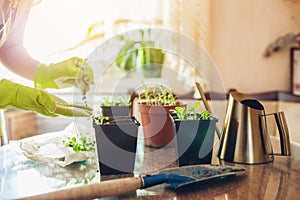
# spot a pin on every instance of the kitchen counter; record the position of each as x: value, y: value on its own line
x: 277, y: 180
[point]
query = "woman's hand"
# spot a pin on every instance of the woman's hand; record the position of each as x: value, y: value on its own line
x: 73, y: 72
x: 14, y: 95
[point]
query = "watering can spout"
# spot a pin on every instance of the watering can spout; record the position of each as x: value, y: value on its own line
x: 245, y: 137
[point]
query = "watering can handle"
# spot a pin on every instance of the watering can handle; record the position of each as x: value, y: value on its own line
x: 283, y: 133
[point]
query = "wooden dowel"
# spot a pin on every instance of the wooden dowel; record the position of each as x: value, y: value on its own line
x: 92, y: 191
x: 207, y: 107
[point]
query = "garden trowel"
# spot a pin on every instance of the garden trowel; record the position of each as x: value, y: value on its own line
x: 175, y: 177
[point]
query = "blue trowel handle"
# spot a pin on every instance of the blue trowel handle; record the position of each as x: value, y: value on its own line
x: 151, y: 180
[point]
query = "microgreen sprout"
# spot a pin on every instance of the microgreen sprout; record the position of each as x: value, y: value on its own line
x: 116, y: 101
x: 205, y: 115
x: 80, y: 143
x: 101, y: 120
x: 180, y: 112
x: 158, y: 96
x: 191, y: 113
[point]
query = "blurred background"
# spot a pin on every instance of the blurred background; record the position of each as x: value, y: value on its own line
x: 237, y: 36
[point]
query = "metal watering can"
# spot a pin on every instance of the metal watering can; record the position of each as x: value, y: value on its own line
x: 245, y: 137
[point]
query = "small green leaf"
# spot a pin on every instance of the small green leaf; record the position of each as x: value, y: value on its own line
x: 124, y: 53
x: 197, y: 105
x: 80, y: 144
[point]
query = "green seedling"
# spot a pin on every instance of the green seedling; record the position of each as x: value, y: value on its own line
x: 180, y: 112
x: 80, y: 143
x: 191, y: 113
x: 158, y: 96
x: 116, y: 101
x: 205, y: 115
x: 101, y: 120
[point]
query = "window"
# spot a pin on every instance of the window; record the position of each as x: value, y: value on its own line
x: 56, y: 27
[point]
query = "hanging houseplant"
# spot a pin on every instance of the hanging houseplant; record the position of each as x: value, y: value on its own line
x: 142, y: 53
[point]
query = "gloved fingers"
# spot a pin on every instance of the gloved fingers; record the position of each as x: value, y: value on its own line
x: 61, y: 107
x: 47, y: 113
x: 46, y: 104
x: 57, y: 99
x: 91, y: 75
x: 65, y: 82
x: 76, y: 106
x: 82, y: 81
x: 88, y: 72
x: 81, y: 106
x: 72, y: 111
x: 82, y: 84
x: 85, y: 76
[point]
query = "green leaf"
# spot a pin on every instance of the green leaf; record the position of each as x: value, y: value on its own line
x: 80, y: 144
x: 124, y: 53
x: 197, y: 105
x: 92, y: 27
x: 205, y: 115
x: 74, y: 139
x: 130, y: 62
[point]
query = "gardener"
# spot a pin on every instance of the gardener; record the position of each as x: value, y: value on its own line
x: 72, y: 72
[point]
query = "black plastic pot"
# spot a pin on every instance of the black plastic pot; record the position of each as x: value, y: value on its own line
x: 115, y: 110
x: 194, y: 141
x: 116, y: 145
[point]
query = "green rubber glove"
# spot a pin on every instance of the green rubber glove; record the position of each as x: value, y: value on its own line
x: 72, y: 72
x: 14, y: 95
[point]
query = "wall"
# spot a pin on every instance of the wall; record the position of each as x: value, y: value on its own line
x: 241, y: 31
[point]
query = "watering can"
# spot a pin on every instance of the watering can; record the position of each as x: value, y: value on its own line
x: 245, y: 138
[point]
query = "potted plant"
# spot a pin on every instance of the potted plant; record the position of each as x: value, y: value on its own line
x: 116, y: 105
x: 116, y: 140
x: 142, y: 53
x: 154, y: 106
x: 194, y: 135
x: 151, y: 60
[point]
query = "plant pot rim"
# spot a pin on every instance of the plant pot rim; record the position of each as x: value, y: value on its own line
x: 214, y: 119
x: 156, y: 109
x: 158, y: 105
x: 114, y: 106
x: 120, y: 120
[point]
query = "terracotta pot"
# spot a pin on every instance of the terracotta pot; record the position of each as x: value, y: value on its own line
x: 157, y: 125
x: 116, y: 145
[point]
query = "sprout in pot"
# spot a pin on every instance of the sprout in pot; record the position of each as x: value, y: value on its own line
x: 116, y: 139
x: 194, y: 135
x: 116, y: 105
x: 181, y: 113
x: 154, y: 106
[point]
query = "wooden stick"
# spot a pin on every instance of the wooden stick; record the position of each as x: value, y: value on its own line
x: 92, y: 191
x: 207, y: 107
